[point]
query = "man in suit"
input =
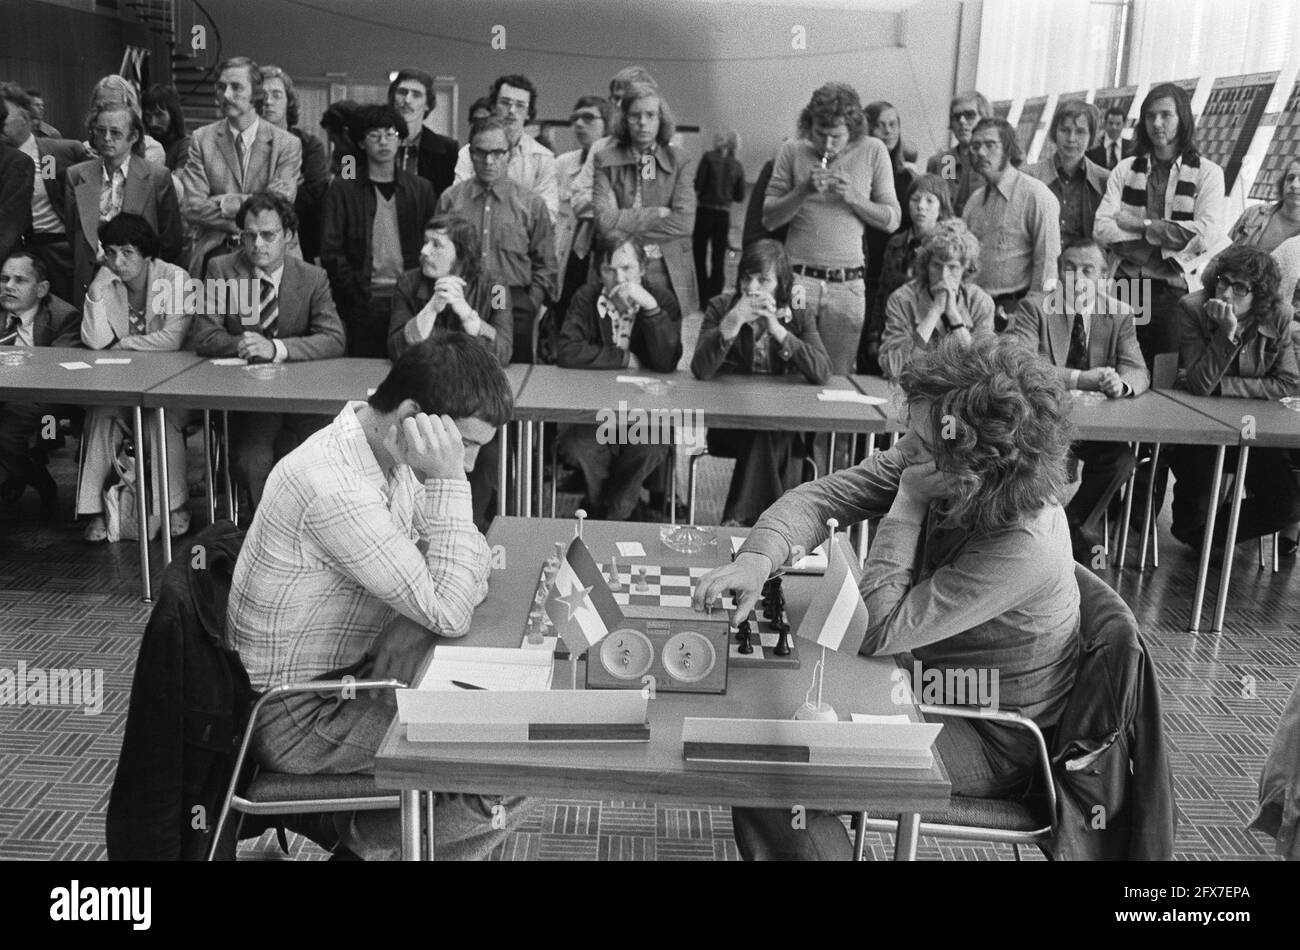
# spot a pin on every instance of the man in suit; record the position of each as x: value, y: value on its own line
x: 39, y: 125
x: 102, y: 188
x: 1113, y: 147
x: 30, y: 317
x: 287, y: 313
x: 47, y: 233
x: 1090, y: 338
x: 237, y: 156
x: 423, y: 151
x: 16, y: 177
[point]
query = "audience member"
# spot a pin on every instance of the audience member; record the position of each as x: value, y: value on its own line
x: 337, y: 126
x: 373, y: 230
x: 1268, y: 225
x: 99, y: 190
x: 955, y: 165
x: 136, y: 302
x: 583, y: 190
x: 281, y: 110
x: 231, y: 159
x: 423, y: 152
x: 1113, y: 147
x: 518, y: 248
x: 39, y: 125
x: 114, y: 90
x: 1016, y: 218
x: 480, y: 108
x: 755, y: 330
x: 164, y: 119
x: 882, y: 123
x: 292, y: 318
x: 941, y: 300
x: 574, y: 233
x: 719, y: 183
x: 1078, y: 183
x: 514, y: 100
x: 17, y: 181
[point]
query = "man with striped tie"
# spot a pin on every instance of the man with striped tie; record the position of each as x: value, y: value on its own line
x: 283, y: 311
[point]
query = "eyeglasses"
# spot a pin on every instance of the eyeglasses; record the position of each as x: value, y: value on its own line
x: 382, y: 135
x: 968, y: 115
x: 513, y: 105
x: 113, y: 135
x: 268, y: 237
x: 1240, y: 289
x: 484, y: 154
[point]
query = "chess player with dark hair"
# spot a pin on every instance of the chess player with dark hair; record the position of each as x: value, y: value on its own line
x: 1017, y: 219
x: 757, y: 330
x: 116, y: 183
x: 449, y: 291
x: 231, y: 159
x: 954, y: 165
x: 423, y: 152
x: 527, y: 162
x: 373, y: 231
x: 618, y: 323
x: 137, y: 302
x: 1237, y: 342
x: 970, y: 566
x: 29, y: 316
x: 292, y: 318
x: 1113, y: 147
x: 1164, y: 200
x: 1078, y: 183
x: 366, y: 529
x: 1089, y: 338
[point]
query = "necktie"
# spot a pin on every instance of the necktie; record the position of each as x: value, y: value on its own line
x: 239, y: 154
x: 270, y: 310
x: 11, y: 330
x: 1078, y: 355
x: 1113, y: 159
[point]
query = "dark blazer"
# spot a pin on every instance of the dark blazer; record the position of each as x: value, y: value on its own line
x: 65, y: 153
x: 414, y: 290
x: 802, y: 352
x: 1265, y: 358
x: 348, y: 226
x: 1112, y: 727
x: 57, y: 323
x: 1098, y: 154
x: 149, y: 192
x: 586, y: 341
x: 309, y: 324
x: 17, y: 175
x: 753, y: 229
x: 311, y: 193
x: 1112, y: 341
x: 436, y: 160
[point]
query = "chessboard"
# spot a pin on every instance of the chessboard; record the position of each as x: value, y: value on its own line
x: 652, y: 585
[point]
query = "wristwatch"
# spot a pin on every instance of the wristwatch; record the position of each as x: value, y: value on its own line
x: 1147, y: 222
x: 951, y: 325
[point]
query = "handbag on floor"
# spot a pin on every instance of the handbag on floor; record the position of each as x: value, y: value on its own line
x: 121, y: 496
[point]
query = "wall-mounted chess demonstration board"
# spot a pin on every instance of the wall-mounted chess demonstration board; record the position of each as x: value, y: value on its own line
x: 1001, y: 108
x: 1119, y: 97
x: 1230, y: 119
x: 1030, y: 115
x: 1284, y: 147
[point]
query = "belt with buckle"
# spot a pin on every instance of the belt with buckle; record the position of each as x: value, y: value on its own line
x: 837, y: 275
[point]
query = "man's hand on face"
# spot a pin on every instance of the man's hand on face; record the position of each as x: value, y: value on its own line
x: 255, y: 346
x: 431, y: 445
x: 1223, y: 315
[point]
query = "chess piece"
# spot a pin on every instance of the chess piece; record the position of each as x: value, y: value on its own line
x: 613, y: 578
x: 742, y: 632
x: 642, y: 584
x: 746, y: 646
x: 782, y: 639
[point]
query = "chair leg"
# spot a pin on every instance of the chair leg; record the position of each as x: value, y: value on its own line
x: 1277, y: 542
x: 1105, y: 533
x: 1015, y: 849
x: 1261, y: 552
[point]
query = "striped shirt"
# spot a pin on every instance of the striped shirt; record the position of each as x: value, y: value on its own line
x: 335, y: 551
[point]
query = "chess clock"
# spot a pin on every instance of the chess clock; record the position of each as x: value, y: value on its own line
x: 684, y: 655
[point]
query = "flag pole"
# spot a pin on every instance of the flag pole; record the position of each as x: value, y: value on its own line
x: 831, y: 523
x: 820, y: 711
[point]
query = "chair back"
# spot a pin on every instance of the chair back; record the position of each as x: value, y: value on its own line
x: 1164, y: 371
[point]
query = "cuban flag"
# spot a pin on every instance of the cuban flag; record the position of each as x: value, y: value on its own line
x: 580, y: 603
x: 837, y: 616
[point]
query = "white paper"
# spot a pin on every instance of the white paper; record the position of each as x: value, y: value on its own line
x: 113, y: 361
x: 630, y: 549
x: 877, y: 720
x: 638, y: 380
x: 77, y: 365
x: 228, y: 361
x: 844, y: 395
x: 371, y: 392
x: 492, y: 668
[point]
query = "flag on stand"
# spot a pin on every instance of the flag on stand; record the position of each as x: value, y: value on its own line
x: 580, y: 603
x: 836, y: 616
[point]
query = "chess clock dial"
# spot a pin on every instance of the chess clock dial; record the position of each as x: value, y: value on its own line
x: 688, y: 656
x: 627, y: 654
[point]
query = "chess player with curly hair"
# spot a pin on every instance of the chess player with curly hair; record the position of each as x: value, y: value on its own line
x: 970, y: 568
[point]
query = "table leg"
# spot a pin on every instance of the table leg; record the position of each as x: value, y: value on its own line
x: 519, y: 467
x: 210, y: 476
x: 830, y: 455
x: 860, y: 838
x: 225, y: 466
x: 871, y: 444
x: 503, y: 466
x: 909, y: 833
x: 410, y: 808
x: 164, y: 489
x: 1128, y: 513
x: 1147, y: 513
x: 429, y: 801
x: 142, y: 507
x: 1230, y: 540
x: 526, y: 469
x: 541, y: 468
x: 1207, y: 542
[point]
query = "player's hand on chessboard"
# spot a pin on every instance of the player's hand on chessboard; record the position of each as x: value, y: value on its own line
x: 743, y: 579
x: 431, y: 445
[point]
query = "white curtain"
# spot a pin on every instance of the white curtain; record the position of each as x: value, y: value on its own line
x: 1045, y: 46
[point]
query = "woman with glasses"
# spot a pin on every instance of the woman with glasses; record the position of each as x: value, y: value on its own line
x: 117, y: 182
x: 644, y: 191
x: 135, y: 303
x: 1236, y: 342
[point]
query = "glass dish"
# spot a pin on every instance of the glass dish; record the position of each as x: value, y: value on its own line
x: 686, y: 539
x: 264, y: 370
x: 12, y: 356
x: 1291, y: 402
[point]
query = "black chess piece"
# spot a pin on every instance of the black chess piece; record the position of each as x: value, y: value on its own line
x: 746, y: 647
x: 742, y: 631
x: 782, y: 647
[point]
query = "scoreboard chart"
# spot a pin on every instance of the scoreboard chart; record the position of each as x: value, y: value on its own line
x: 1030, y: 116
x: 1284, y: 146
x: 1119, y: 97
x: 1231, y: 116
x: 1001, y: 108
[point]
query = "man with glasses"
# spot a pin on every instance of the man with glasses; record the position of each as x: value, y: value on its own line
x: 527, y: 162
x: 1016, y: 218
x: 282, y: 310
x: 518, y: 240
x: 237, y: 156
x: 423, y: 151
x: 573, y: 231
x: 373, y: 230
x: 954, y: 164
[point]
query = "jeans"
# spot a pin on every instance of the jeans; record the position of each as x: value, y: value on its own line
x: 709, y: 243
x: 839, y: 310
